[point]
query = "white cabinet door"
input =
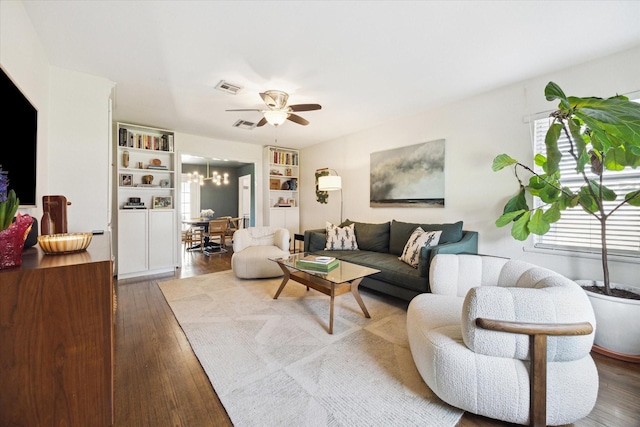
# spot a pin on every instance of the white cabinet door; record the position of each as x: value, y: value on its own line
x: 132, y: 241
x: 288, y: 218
x: 162, y: 238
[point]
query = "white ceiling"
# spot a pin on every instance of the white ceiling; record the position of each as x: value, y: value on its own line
x: 365, y: 62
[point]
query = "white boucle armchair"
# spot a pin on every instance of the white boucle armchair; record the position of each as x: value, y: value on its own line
x: 482, y: 366
x: 252, y: 248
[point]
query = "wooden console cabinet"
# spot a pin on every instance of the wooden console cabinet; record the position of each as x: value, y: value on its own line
x: 56, y: 338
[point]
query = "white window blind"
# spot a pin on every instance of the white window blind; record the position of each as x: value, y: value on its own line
x: 579, y: 231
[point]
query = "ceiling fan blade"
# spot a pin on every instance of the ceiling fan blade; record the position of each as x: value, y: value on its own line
x: 297, y: 119
x: 246, y: 109
x: 262, y: 122
x: 305, y: 107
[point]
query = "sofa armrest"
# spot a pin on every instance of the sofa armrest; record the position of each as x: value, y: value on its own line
x: 315, y: 240
x: 467, y: 245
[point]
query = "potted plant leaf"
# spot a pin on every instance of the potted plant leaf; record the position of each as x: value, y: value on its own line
x: 604, y: 138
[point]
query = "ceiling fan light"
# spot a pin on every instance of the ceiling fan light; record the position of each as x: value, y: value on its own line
x: 276, y: 118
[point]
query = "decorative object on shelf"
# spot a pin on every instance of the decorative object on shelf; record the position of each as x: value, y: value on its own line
x: 207, y: 213
x: 147, y: 179
x: 125, y: 158
x: 12, y: 233
x: 330, y: 182
x: 162, y: 202
x: 134, y: 203
x: 408, y: 177
x: 321, y: 195
x: 140, y: 165
x: 155, y: 162
x: 126, y: 180
x: 56, y: 207
x: 288, y: 172
x: 164, y: 183
x: 274, y: 184
x: 285, y: 185
x: 64, y: 243
x: 12, y: 241
x: 602, y: 138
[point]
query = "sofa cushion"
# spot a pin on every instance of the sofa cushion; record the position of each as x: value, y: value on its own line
x: 391, y: 270
x: 371, y: 237
x: 419, y: 239
x: 341, y: 238
x: 399, y: 233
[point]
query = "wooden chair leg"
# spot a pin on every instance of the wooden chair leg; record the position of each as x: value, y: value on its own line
x: 538, y: 381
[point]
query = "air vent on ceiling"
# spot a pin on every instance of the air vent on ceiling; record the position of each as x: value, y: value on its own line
x: 244, y: 124
x: 228, y: 87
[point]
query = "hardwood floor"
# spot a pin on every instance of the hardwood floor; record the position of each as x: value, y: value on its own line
x: 159, y: 381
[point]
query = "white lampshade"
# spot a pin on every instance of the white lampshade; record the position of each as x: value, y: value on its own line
x: 276, y: 118
x: 330, y: 183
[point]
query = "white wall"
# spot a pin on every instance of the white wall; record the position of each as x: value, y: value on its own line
x: 79, y: 147
x: 476, y: 130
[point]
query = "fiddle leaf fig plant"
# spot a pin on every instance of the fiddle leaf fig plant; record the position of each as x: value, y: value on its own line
x: 604, y: 137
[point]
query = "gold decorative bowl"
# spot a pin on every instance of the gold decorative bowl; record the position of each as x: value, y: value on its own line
x: 64, y: 243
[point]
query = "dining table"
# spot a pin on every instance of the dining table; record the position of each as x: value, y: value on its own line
x: 208, y: 246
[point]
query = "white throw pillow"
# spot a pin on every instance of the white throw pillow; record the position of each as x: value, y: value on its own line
x: 419, y: 238
x: 341, y: 238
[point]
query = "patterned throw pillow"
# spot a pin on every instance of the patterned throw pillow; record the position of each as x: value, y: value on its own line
x: 341, y: 238
x: 419, y: 238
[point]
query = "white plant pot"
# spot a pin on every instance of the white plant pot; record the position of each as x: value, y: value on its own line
x: 617, y: 320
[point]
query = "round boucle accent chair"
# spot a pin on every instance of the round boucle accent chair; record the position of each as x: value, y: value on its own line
x: 487, y: 372
x: 252, y: 248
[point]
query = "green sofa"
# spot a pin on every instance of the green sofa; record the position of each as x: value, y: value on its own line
x: 380, y: 245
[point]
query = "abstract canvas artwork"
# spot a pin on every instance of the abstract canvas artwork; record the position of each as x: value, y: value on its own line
x: 411, y: 176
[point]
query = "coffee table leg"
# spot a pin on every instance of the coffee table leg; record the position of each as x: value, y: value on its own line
x: 333, y: 288
x: 285, y: 279
x: 356, y: 295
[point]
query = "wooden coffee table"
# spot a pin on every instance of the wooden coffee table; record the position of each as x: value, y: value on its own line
x: 344, y: 278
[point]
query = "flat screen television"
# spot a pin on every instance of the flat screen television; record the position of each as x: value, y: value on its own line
x: 19, y: 124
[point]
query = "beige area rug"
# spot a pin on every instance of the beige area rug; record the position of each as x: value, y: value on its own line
x: 273, y: 363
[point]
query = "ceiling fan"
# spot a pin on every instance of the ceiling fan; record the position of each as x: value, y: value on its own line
x: 279, y: 111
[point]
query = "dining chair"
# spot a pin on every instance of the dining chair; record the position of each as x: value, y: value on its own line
x: 194, y: 238
x: 234, y: 225
x: 217, y: 229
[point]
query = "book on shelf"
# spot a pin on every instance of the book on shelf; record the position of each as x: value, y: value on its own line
x: 322, y: 268
x: 161, y: 167
x: 127, y: 138
x: 317, y: 259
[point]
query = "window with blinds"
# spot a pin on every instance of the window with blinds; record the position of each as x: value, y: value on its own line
x: 579, y: 231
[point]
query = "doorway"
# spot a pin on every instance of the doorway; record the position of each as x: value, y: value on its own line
x: 244, y: 200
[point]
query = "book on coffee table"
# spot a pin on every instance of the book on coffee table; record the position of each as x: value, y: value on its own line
x: 315, y: 266
x: 317, y: 259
